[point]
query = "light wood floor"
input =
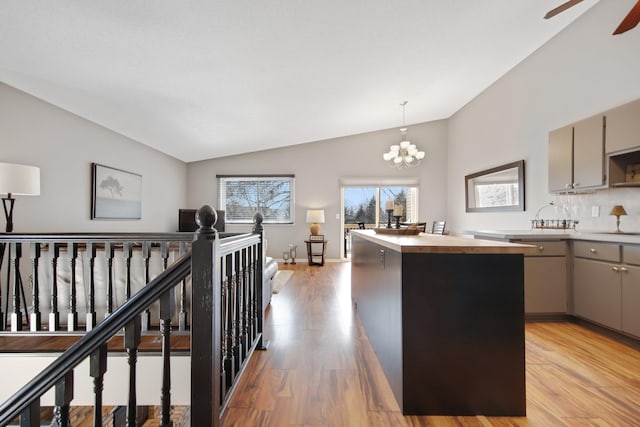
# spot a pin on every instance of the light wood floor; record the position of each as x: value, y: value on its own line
x: 320, y: 369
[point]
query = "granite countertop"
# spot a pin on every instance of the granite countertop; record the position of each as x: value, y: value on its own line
x: 433, y: 243
x: 551, y: 234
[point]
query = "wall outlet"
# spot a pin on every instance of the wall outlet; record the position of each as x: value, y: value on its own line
x: 595, y: 211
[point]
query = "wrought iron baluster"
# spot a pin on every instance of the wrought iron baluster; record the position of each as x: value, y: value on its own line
x: 131, y: 343
x: 2, y: 320
x: 63, y: 398
x: 35, y: 322
x: 16, y: 315
x: 237, y: 293
x: 54, y: 314
x: 91, y: 312
x: 167, y: 310
x: 182, y: 316
x: 109, y: 253
x: 72, y: 316
x: 146, y: 254
x: 30, y: 416
x: 97, y: 369
x: 251, y: 296
x: 230, y: 300
x: 246, y: 341
x: 225, y: 363
x: 127, y: 252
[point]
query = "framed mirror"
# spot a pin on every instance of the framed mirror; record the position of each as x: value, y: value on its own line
x: 497, y: 189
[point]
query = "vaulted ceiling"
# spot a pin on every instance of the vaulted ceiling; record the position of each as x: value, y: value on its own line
x: 201, y: 79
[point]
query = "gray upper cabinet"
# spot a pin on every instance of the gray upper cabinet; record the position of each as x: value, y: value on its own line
x: 576, y: 155
x: 623, y: 127
x: 561, y: 159
x: 588, y: 153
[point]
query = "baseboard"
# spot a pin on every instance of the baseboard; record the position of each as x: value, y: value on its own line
x: 547, y: 317
x: 609, y: 333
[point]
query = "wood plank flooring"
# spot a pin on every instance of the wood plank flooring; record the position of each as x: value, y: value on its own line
x: 320, y: 369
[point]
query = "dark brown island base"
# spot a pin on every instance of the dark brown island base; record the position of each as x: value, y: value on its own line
x: 445, y: 316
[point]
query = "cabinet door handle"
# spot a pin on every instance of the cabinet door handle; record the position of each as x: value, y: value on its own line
x: 567, y: 186
x: 616, y: 269
x: 540, y: 248
x: 624, y: 269
x: 593, y: 250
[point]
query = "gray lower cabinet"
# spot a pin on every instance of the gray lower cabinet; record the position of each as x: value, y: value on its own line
x: 545, y: 278
x: 606, y: 285
x: 597, y: 292
x: 630, y: 276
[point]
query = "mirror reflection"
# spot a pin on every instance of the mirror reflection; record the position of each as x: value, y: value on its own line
x: 497, y: 189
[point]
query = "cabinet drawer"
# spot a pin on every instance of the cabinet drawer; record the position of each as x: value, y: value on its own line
x: 597, y: 250
x: 547, y: 248
x: 631, y: 254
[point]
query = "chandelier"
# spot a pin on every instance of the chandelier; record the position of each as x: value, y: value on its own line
x: 405, y: 154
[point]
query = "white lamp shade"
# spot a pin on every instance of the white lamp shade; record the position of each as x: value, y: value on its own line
x: 394, y: 148
x: 19, y: 180
x: 420, y: 155
x: 315, y: 215
x: 405, y: 144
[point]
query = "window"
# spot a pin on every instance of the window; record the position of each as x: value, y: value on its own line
x: 242, y: 196
x: 367, y: 204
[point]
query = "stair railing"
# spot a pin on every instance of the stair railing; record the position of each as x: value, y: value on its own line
x: 227, y: 324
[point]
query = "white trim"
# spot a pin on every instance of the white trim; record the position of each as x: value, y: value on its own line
x: 379, y: 181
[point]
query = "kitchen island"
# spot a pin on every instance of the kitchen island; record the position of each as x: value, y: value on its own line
x: 445, y: 316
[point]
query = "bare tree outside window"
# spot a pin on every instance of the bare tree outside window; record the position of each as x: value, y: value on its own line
x: 242, y: 197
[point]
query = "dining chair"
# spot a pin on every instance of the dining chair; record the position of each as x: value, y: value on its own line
x: 438, y: 227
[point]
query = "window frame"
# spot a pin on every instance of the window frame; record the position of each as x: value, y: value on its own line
x: 222, y: 199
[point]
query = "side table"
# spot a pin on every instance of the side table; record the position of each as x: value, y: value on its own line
x: 316, y: 249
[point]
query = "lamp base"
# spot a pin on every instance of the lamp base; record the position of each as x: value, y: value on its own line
x: 314, y: 229
x: 7, y: 204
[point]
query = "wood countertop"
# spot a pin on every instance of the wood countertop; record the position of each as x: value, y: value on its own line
x: 433, y: 243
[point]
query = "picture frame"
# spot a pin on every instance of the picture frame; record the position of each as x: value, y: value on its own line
x: 115, y: 193
x: 316, y: 238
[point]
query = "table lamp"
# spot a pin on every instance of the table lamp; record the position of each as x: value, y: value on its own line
x: 617, y: 211
x: 17, y: 180
x: 315, y: 217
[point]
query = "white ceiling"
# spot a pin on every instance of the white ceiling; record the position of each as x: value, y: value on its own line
x: 201, y: 79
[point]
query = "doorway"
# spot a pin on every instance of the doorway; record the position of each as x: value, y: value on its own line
x: 365, y: 207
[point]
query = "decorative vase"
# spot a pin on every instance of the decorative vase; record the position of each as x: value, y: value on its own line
x: 292, y: 253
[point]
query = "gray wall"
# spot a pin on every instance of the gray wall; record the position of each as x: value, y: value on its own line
x: 582, y: 71
x: 318, y: 167
x: 64, y: 145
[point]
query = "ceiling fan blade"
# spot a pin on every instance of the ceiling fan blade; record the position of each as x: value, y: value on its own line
x: 629, y: 21
x: 561, y: 8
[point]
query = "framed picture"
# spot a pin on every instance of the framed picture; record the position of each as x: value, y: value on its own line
x: 116, y: 194
x: 318, y: 238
